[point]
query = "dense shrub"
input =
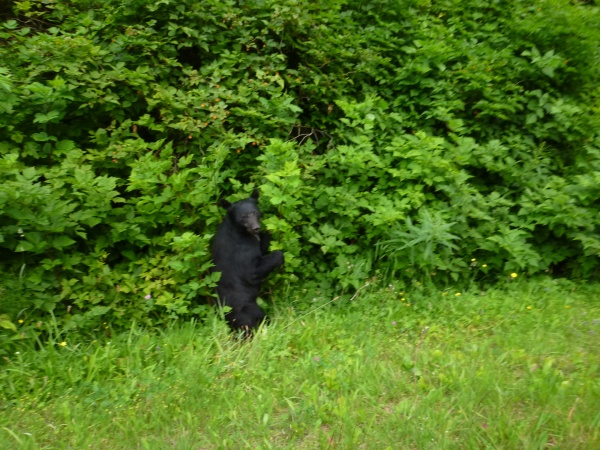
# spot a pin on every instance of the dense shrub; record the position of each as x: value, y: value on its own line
x: 400, y: 138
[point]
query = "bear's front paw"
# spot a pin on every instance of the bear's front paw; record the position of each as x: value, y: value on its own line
x: 265, y: 242
x: 278, y: 257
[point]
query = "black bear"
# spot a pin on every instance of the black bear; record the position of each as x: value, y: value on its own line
x: 240, y: 252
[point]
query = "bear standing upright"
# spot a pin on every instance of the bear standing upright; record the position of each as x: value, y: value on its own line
x: 240, y: 252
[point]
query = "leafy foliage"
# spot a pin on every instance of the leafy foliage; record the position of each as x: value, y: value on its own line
x: 435, y: 132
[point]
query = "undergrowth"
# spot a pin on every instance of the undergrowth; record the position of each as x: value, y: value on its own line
x: 515, y: 367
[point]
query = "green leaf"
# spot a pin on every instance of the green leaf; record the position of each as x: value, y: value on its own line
x: 10, y: 24
x: 45, y: 118
x: 42, y: 137
x: 548, y: 71
x: 61, y: 242
x: 98, y: 311
x: 64, y: 146
x: 24, y: 246
x: 6, y: 323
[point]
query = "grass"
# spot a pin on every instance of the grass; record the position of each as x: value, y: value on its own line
x: 516, y: 367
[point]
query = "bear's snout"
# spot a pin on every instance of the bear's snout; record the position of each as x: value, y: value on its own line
x: 253, y: 225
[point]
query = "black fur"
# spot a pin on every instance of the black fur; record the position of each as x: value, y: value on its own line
x: 240, y: 252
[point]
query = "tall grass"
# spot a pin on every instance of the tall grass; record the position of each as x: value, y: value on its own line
x: 516, y: 367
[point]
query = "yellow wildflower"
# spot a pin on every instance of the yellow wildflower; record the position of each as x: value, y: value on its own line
x: 514, y: 275
x: 63, y: 344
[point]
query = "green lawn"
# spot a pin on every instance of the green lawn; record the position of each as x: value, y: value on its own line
x: 515, y: 367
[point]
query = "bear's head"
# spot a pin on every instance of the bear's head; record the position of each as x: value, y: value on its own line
x: 244, y: 213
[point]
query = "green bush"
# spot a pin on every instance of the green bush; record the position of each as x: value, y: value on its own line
x: 398, y: 139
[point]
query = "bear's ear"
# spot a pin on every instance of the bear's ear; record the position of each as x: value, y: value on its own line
x: 224, y: 203
x: 254, y: 194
